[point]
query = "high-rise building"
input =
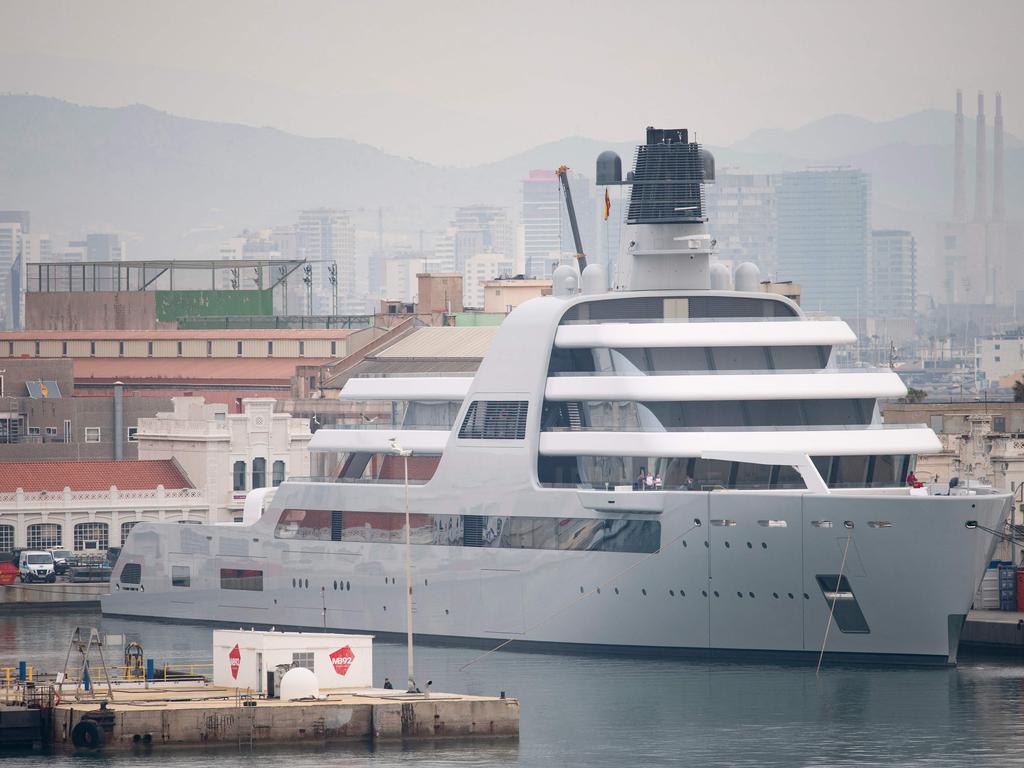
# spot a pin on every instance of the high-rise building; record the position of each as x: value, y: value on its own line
x: 823, y: 241
x: 38, y: 248
x: 481, y: 229
x: 326, y: 236
x: 741, y: 209
x: 11, y: 248
x: 893, y: 272
x: 478, y: 270
x: 547, y: 234
x: 105, y: 247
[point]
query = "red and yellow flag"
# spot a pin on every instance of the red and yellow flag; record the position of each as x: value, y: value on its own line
x: 607, y: 204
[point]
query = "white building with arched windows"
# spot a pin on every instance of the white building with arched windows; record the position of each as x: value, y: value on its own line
x: 226, y: 455
x: 91, y: 505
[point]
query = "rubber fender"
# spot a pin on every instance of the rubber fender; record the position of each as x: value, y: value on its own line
x: 87, y: 735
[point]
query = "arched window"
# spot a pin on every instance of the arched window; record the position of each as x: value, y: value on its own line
x: 92, y: 536
x: 126, y: 528
x: 239, y: 476
x: 6, y: 538
x: 259, y: 473
x: 43, y: 536
x: 278, y: 477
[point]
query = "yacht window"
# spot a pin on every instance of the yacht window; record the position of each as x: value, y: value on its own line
x: 181, y: 576
x: 739, y: 359
x: 752, y: 476
x: 483, y: 531
x: 131, y: 573
x: 675, y: 359
x: 246, y: 580
x: 850, y: 471
x: 799, y: 358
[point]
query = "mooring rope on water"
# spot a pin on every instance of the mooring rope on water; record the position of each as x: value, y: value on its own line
x: 832, y: 607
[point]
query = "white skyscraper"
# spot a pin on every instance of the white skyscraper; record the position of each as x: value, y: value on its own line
x: 326, y: 236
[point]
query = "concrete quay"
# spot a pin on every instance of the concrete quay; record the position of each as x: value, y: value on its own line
x: 190, y: 714
x: 994, y: 630
x: 61, y: 594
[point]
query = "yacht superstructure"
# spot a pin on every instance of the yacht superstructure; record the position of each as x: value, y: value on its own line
x: 674, y: 464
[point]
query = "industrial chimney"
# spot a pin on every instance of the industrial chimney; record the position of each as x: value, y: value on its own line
x: 980, y: 172
x: 959, y: 167
x: 998, y: 186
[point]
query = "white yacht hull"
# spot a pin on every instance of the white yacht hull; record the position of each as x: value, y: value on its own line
x: 735, y: 582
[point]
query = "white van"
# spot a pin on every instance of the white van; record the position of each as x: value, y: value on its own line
x: 35, y: 565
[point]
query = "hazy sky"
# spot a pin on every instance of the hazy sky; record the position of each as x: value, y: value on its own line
x: 475, y: 81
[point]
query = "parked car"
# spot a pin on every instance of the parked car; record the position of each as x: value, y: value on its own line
x: 36, y: 565
x: 60, y: 560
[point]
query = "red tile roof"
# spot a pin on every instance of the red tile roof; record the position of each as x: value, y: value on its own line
x: 234, y: 334
x: 250, y: 370
x: 54, y: 476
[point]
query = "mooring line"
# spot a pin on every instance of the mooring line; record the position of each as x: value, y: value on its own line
x: 832, y: 608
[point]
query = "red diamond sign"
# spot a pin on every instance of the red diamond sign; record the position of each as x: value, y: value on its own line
x: 342, y: 659
x: 235, y: 656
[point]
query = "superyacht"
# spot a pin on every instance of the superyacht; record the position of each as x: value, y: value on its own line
x: 675, y: 464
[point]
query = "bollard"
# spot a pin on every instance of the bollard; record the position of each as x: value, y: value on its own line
x: 22, y: 667
x: 150, y: 669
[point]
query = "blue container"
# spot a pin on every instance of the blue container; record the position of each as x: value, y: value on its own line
x: 1007, y: 588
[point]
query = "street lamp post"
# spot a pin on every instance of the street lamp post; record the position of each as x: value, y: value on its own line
x: 397, y: 450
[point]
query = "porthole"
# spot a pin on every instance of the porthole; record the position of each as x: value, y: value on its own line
x: 706, y: 545
x: 727, y: 545
x: 335, y: 585
x: 764, y: 545
x: 424, y: 582
x: 385, y: 607
x: 684, y: 543
x: 775, y: 595
x: 751, y: 594
x: 848, y: 524
x: 293, y: 583
x: 445, y: 611
x: 616, y: 590
x: 790, y: 595
x: 581, y: 590
x: 704, y: 592
x: 643, y: 592
x: 682, y: 593
x: 716, y: 593
x: 749, y: 545
x: 671, y: 593
x: 806, y: 596
x: 348, y: 585
x: 599, y: 590
x: 739, y: 594
x: 696, y: 522
x: 307, y: 583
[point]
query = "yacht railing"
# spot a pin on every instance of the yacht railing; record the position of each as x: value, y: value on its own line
x: 642, y: 320
x: 354, y: 480
x: 391, y: 427
x: 739, y: 428
x: 728, y: 372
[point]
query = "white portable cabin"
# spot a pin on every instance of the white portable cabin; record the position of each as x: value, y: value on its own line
x: 241, y: 658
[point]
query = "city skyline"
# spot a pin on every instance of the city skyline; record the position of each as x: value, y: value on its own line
x: 460, y: 72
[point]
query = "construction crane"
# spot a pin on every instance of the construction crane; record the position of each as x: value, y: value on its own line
x: 563, y: 176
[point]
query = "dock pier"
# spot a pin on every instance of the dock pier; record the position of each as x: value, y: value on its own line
x: 149, y: 716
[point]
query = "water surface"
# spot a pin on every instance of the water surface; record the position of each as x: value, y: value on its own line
x: 584, y: 710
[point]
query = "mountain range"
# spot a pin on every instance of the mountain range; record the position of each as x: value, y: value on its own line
x: 176, y: 186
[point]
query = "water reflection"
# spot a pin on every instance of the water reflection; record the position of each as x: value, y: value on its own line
x: 613, y: 711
